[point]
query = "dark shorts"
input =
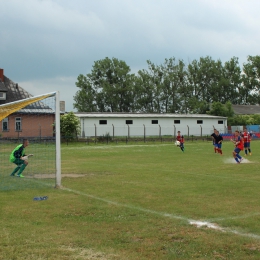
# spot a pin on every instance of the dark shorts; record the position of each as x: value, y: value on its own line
x: 237, y: 150
x: 247, y: 144
x: 218, y: 145
x: 18, y: 162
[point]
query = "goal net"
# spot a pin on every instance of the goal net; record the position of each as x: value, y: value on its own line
x: 36, y: 119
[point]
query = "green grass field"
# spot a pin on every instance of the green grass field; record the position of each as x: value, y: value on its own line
x: 135, y: 201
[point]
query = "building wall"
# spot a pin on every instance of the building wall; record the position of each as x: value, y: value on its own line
x: 165, y: 126
x: 31, y: 126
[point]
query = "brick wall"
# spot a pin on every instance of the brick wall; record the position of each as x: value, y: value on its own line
x: 31, y: 126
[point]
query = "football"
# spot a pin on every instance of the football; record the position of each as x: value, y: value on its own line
x: 177, y: 143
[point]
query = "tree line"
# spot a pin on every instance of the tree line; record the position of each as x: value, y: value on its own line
x: 202, y: 86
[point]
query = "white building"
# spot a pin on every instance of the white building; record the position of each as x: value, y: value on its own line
x: 131, y: 125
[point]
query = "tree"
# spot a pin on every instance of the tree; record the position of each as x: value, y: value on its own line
x: 251, y: 81
x: 85, y: 98
x: 113, y: 85
x: 69, y: 125
x: 108, y: 88
x: 219, y: 109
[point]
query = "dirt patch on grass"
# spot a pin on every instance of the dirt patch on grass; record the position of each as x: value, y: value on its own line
x: 81, y: 253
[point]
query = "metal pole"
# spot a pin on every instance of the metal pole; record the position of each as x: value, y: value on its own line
x: 58, y: 147
x: 144, y: 133
x: 113, y: 131
x: 95, y: 133
x: 83, y: 132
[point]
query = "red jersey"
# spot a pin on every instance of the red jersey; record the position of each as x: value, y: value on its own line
x: 247, y: 137
x: 240, y: 145
x: 180, y: 138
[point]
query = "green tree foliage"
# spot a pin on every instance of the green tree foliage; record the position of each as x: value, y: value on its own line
x: 244, y: 120
x: 69, y: 125
x: 219, y: 109
x: 108, y: 88
x: 251, y: 80
x: 171, y: 87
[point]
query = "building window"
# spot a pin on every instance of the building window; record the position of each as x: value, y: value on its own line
x: 220, y: 122
x: 103, y: 122
x: 199, y: 121
x: 2, y: 96
x: 5, y: 125
x: 129, y: 122
x: 18, y: 124
x: 154, y: 122
x: 177, y: 121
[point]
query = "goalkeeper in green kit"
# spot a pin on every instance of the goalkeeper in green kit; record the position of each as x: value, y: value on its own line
x: 19, y: 158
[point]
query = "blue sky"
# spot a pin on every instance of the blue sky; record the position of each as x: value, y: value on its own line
x: 46, y: 44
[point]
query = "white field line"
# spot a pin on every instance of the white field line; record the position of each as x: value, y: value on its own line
x: 171, y: 216
x: 249, y: 215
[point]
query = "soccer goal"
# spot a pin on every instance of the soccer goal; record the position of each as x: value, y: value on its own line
x: 36, y: 119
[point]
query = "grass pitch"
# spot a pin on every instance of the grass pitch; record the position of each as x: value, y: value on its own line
x: 138, y: 201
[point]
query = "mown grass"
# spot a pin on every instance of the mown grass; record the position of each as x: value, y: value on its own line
x: 135, y: 201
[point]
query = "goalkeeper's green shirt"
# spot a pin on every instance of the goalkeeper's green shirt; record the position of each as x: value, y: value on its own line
x: 17, y: 152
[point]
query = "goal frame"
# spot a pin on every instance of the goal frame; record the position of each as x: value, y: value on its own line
x: 23, y: 103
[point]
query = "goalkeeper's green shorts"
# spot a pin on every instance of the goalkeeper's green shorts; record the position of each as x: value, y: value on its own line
x: 18, y: 162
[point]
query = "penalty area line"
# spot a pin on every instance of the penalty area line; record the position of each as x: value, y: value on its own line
x: 196, y: 223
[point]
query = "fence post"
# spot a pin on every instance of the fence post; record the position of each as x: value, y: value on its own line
x: 200, y: 131
x: 188, y: 131
x: 128, y: 131
x: 95, y: 133
x: 83, y: 132
x: 144, y: 133
x: 113, y: 132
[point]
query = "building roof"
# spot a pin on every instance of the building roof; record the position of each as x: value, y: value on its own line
x: 2, y: 86
x: 144, y: 115
x: 14, y: 93
x: 246, y: 109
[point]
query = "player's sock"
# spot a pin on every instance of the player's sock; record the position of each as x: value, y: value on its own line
x: 21, y: 169
x: 238, y: 156
x: 15, y: 170
x: 237, y: 160
x: 220, y: 151
x: 245, y: 152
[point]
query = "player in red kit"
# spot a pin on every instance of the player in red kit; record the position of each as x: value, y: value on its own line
x: 247, y: 140
x: 180, y: 138
x: 239, y: 146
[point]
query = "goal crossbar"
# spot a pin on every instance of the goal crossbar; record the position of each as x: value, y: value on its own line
x: 9, y: 108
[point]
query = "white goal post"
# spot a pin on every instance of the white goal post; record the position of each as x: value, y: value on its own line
x: 24, y: 105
